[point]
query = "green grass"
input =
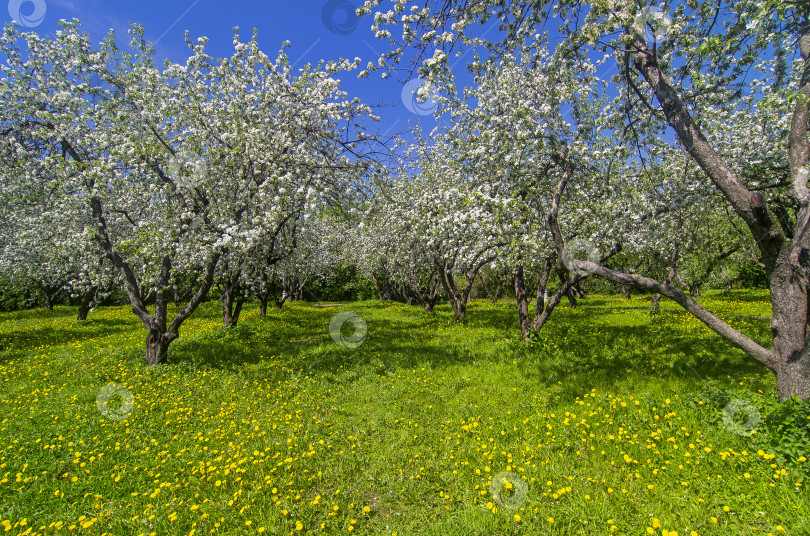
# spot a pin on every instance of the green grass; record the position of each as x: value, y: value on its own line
x: 610, y: 419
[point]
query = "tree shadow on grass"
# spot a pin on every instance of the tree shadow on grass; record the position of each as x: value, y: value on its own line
x: 270, y: 349
x: 746, y: 296
x: 18, y: 342
x: 294, y: 343
x: 625, y: 354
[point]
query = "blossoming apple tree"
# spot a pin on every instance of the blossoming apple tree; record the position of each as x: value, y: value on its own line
x: 169, y: 171
x: 683, y: 67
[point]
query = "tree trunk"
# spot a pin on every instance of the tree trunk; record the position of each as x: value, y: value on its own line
x: 160, y: 336
x: 789, y: 327
x: 580, y: 290
x: 541, y: 292
x: 84, y: 305
x: 522, y: 302
x: 50, y: 293
x: 157, y: 347
x: 572, y: 298
x: 231, y: 307
x: 783, y: 246
x: 382, y: 287
x: 407, y: 296
x: 263, y: 304
x: 227, y: 308
x: 430, y: 295
x: 232, y: 299
x: 458, y: 304
x: 493, y: 296
x: 541, y: 319
x: 376, y: 287
x: 625, y: 290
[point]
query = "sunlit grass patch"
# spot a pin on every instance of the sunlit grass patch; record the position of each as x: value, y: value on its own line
x: 610, y: 417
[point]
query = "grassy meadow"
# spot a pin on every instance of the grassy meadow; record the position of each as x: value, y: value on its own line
x: 610, y: 422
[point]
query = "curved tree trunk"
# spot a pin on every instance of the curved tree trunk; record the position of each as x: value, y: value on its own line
x: 784, y: 246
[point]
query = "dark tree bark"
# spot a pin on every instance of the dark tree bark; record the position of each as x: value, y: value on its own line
x: 50, y: 292
x: 48, y: 300
x: 458, y: 298
x: 541, y: 294
x: 493, y: 296
x: 84, y: 304
x: 382, y: 286
x: 269, y: 289
x: 625, y: 290
x: 232, y: 301
x: 161, y: 333
x: 428, y: 294
x: 157, y: 347
x: 785, y: 251
x: 377, y: 287
x: 522, y: 302
x: 570, y: 293
x: 579, y: 290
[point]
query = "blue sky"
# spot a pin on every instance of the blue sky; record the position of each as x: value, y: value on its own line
x: 316, y: 29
